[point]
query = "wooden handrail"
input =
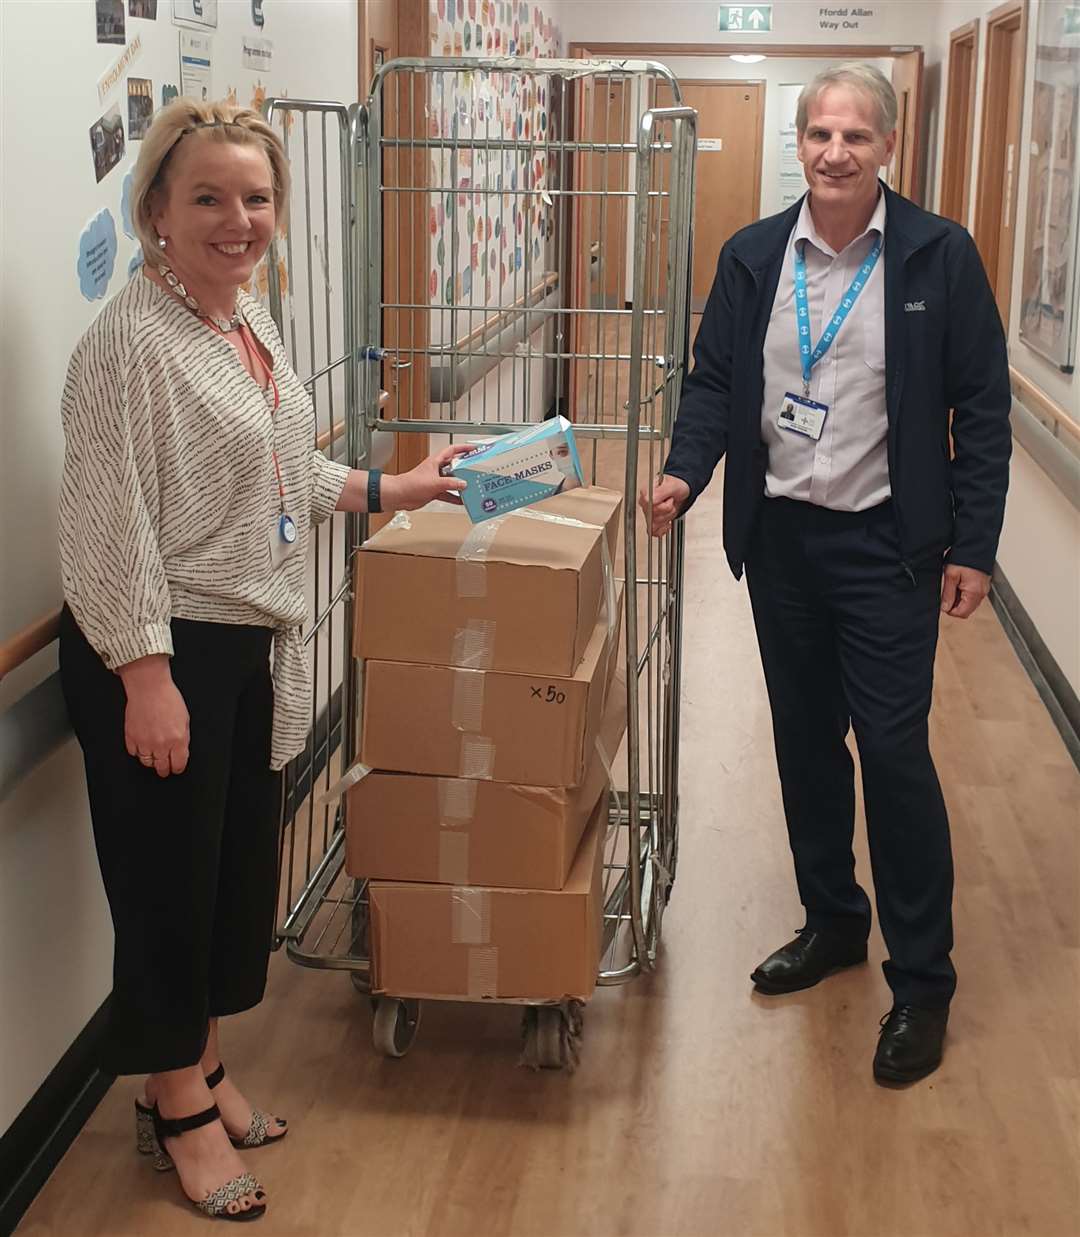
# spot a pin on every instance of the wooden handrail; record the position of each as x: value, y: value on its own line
x: 536, y: 294
x: 338, y: 428
x: 1039, y: 402
x: 32, y: 639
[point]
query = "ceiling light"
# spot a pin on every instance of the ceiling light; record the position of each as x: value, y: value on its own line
x: 746, y: 57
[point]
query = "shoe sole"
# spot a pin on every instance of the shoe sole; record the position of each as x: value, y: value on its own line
x: 769, y: 987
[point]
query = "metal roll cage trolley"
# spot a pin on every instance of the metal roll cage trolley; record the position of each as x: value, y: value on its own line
x: 587, y: 212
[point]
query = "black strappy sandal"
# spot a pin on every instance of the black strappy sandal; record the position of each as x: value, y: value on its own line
x: 258, y: 1134
x: 150, y: 1140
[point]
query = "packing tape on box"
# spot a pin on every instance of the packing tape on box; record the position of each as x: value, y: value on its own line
x: 400, y: 520
x: 470, y: 916
x: 607, y: 759
x: 471, y: 568
x: 467, y: 706
x: 474, y: 644
x: 477, y: 757
x: 457, y: 801
x: 453, y: 858
x: 333, y: 793
x: 483, y: 975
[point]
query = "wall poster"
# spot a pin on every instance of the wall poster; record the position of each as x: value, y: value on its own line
x: 1049, y: 289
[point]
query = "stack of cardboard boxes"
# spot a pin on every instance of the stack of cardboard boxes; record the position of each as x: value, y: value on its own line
x: 491, y: 709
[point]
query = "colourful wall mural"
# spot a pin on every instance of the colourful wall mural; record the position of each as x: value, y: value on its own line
x: 491, y: 218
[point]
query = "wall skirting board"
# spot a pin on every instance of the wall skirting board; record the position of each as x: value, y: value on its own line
x: 1053, y: 687
x: 37, y: 1139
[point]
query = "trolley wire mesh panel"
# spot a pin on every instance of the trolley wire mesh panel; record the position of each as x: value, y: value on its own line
x: 517, y: 237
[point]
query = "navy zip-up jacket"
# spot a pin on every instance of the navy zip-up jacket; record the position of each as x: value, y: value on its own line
x: 944, y: 349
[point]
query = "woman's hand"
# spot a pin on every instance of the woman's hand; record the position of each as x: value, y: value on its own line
x: 409, y: 490
x: 157, y: 729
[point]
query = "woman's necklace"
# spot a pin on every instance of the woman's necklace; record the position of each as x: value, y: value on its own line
x: 223, y: 324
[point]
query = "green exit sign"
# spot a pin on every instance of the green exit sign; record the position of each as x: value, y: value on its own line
x: 1072, y: 20
x: 744, y: 18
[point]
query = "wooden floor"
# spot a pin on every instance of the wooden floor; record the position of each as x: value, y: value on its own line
x: 698, y: 1107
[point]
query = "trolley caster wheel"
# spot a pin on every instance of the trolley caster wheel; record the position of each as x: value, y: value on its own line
x: 395, y: 1026
x: 551, y: 1036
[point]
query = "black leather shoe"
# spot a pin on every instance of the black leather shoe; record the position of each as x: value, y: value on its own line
x: 806, y: 961
x: 910, y: 1044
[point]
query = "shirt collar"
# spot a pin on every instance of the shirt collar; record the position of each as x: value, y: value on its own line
x: 806, y: 231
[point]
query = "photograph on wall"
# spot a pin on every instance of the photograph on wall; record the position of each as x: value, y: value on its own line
x: 197, y: 13
x: 1049, y: 287
x: 107, y: 142
x: 146, y: 9
x: 195, y: 65
x: 140, y: 107
x: 111, y: 27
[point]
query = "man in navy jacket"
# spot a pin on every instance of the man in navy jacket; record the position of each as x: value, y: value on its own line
x: 837, y: 339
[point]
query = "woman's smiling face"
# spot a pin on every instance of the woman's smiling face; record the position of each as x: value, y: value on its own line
x: 215, y: 211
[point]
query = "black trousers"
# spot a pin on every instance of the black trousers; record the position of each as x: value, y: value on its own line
x: 189, y: 862
x: 847, y: 639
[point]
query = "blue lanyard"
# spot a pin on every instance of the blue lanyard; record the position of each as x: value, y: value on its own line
x: 808, y: 357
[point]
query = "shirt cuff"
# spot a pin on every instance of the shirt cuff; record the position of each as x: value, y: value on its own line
x: 128, y: 646
x: 327, y: 483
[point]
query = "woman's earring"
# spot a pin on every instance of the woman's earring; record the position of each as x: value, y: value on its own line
x: 161, y: 242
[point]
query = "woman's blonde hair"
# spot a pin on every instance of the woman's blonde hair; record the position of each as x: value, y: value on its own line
x: 182, y: 120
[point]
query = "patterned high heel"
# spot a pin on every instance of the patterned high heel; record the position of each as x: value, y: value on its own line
x: 216, y: 1204
x: 258, y: 1134
x: 146, y: 1142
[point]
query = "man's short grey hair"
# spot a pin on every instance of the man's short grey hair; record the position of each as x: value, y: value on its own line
x: 863, y: 77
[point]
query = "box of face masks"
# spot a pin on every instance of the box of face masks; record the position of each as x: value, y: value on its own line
x: 519, y: 469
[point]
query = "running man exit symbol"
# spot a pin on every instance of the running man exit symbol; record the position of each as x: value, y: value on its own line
x: 743, y: 17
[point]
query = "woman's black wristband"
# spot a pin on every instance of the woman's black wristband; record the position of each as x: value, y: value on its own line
x: 374, y: 491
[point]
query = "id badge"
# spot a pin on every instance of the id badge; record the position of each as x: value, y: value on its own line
x: 284, y: 539
x: 800, y: 415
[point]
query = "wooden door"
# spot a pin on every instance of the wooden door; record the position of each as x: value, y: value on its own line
x: 727, y: 190
x: 905, y: 174
x: 600, y: 214
x: 999, y: 148
x: 955, y: 199
x: 388, y: 29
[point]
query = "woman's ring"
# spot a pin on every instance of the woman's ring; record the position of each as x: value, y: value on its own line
x: 146, y: 758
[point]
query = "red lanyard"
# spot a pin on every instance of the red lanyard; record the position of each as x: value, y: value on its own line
x: 254, y: 355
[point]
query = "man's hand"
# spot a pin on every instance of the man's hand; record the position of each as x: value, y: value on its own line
x: 962, y: 590
x: 669, y: 495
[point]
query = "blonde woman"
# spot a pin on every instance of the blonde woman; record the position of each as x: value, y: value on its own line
x: 189, y: 488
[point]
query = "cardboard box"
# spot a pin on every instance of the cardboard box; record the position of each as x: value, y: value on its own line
x: 487, y: 724
x: 525, y: 601
x: 411, y: 827
x: 474, y: 943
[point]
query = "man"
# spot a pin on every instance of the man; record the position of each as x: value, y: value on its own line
x: 836, y: 340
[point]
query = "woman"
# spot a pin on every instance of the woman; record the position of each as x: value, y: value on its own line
x: 190, y: 483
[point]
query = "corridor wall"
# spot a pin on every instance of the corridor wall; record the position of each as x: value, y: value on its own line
x: 1040, y: 547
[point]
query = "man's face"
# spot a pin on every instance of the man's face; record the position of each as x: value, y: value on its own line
x: 841, y: 150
